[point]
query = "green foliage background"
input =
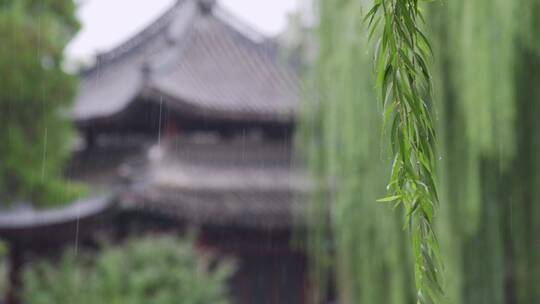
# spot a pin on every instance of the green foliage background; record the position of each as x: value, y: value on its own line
x: 35, y: 97
x: 487, y: 104
x: 370, y: 253
x: 488, y: 62
x: 159, y: 270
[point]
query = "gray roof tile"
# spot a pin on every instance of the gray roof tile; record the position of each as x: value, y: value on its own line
x: 197, y: 62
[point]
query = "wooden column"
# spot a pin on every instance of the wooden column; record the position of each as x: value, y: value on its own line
x: 14, y: 288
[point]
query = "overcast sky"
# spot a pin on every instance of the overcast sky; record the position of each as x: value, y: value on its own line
x: 105, y: 23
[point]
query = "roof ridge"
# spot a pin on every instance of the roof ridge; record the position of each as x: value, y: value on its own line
x: 226, y: 16
x: 264, y: 43
x: 235, y: 24
x: 160, y: 23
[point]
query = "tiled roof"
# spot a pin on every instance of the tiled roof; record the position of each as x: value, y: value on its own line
x: 234, y: 184
x: 199, y: 63
x: 116, y: 79
x: 61, y: 224
x: 258, y: 209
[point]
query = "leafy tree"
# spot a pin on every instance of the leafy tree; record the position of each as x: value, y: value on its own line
x: 486, y: 71
x: 160, y: 270
x: 35, y: 96
x: 370, y: 253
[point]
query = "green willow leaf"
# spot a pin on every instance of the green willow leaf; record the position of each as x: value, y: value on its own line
x: 404, y: 83
x: 353, y: 241
x: 389, y: 199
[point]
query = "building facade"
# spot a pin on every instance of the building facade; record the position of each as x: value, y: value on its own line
x: 190, y: 123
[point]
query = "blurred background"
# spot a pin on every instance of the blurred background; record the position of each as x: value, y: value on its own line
x: 200, y: 151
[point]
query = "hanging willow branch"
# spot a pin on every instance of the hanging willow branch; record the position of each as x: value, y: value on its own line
x: 404, y: 84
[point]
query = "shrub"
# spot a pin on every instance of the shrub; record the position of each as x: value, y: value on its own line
x: 161, y: 270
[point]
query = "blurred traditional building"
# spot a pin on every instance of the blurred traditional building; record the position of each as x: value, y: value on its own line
x: 192, y: 122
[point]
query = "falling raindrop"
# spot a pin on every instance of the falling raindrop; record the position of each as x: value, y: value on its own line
x: 77, y: 231
x: 44, y: 156
x: 243, y: 144
x: 159, y: 121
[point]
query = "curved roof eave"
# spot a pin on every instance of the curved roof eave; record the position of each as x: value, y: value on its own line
x: 53, y: 225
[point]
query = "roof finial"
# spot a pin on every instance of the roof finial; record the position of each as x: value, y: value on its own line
x: 206, y: 6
